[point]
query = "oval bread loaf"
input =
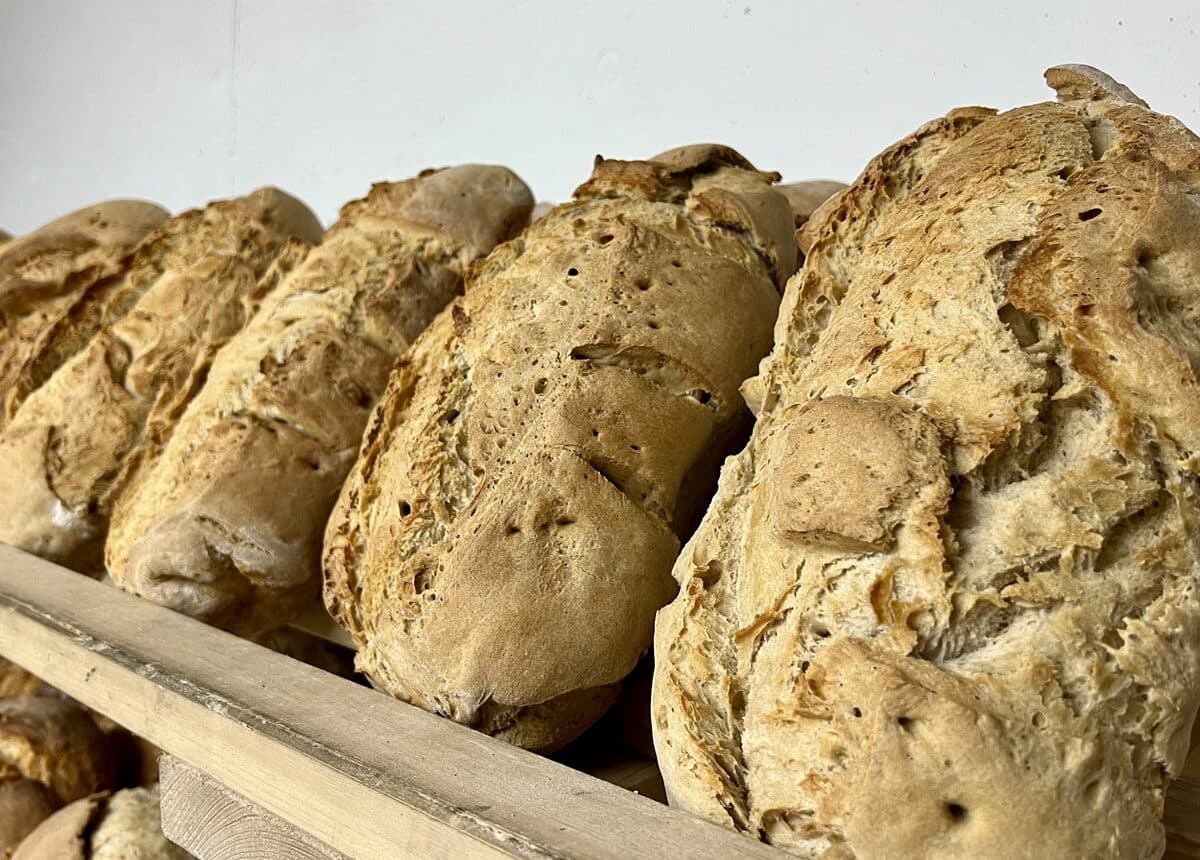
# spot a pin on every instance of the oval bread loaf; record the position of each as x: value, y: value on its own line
x: 226, y: 525
x: 121, y: 826
x: 945, y: 603
x: 47, y: 279
x: 506, y: 534
x: 77, y: 440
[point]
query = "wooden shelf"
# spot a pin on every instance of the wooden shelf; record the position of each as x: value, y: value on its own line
x: 267, y: 754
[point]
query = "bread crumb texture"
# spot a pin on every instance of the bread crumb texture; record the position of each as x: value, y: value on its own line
x: 945, y: 602
x: 507, y: 533
x: 226, y: 523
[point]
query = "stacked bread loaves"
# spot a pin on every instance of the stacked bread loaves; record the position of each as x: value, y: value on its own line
x: 141, y: 351
x: 51, y: 753
x: 506, y: 535
x: 945, y: 603
x: 202, y: 529
x: 104, y: 826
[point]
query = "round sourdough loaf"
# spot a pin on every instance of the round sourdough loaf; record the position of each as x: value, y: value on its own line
x: 507, y: 532
x: 945, y: 603
x: 226, y: 524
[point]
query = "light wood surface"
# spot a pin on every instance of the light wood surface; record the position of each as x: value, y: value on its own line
x: 360, y: 772
x: 214, y: 823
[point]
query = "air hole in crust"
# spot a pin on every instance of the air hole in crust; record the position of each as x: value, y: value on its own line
x: 539, y: 387
x: 572, y: 272
x: 604, y: 238
x: 857, y: 711
x: 957, y: 812
x: 405, y: 509
x: 1089, y: 214
x: 905, y: 723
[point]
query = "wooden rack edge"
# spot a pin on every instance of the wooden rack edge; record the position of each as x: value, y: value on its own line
x: 358, y: 772
x: 363, y: 774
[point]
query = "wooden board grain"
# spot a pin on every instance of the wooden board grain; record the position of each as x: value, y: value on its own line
x: 362, y: 773
x: 214, y: 823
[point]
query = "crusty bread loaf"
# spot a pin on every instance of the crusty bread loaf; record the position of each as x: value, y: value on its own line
x: 122, y: 826
x: 78, y: 439
x: 945, y: 603
x: 506, y: 534
x: 46, y: 279
x: 16, y: 682
x: 226, y: 526
x: 55, y: 742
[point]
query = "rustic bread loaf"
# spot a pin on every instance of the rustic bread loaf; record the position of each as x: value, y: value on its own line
x: 16, y: 682
x: 76, y: 442
x: 945, y: 603
x: 506, y: 534
x: 122, y: 826
x: 226, y: 526
x: 55, y: 742
x: 46, y: 280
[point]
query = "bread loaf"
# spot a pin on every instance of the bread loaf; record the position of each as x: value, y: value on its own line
x: 24, y: 804
x: 945, y: 603
x: 47, y: 279
x: 79, y: 438
x: 54, y: 742
x: 227, y: 524
x: 507, y: 532
x: 122, y: 826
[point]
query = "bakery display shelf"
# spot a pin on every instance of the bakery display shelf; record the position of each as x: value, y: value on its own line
x: 268, y: 757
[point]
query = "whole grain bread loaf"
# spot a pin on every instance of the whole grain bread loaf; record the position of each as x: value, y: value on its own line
x: 47, y: 279
x: 121, y: 826
x: 78, y: 439
x: 507, y: 532
x: 945, y: 602
x: 226, y: 525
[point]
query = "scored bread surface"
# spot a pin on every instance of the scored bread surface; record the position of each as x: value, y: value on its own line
x: 47, y: 280
x: 75, y: 442
x: 507, y: 532
x: 945, y: 603
x: 226, y: 525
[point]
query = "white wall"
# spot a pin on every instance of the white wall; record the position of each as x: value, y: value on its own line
x: 182, y: 102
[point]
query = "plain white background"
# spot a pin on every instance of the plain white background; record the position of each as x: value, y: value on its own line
x: 183, y: 102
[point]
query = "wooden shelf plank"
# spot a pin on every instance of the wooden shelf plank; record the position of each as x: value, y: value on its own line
x: 214, y: 823
x: 364, y: 774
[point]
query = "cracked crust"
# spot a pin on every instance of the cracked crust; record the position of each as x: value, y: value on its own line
x: 945, y: 602
x: 202, y: 530
x: 48, y: 276
x: 121, y: 826
x: 506, y: 534
x: 76, y: 442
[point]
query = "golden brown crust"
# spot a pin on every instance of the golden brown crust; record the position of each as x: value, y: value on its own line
x: 500, y: 548
x: 74, y: 444
x: 55, y: 742
x: 202, y: 529
x: 945, y: 603
x: 46, y: 275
